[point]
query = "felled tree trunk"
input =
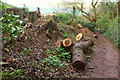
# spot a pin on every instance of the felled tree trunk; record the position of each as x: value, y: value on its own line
x: 77, y: 49
x: 78, y: 57
x: 86, y: 42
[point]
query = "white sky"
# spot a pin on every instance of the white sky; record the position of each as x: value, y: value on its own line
x: 41, y: 3
x: 32, y: 3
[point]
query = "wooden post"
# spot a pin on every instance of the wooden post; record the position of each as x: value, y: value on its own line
x: 38, y: 12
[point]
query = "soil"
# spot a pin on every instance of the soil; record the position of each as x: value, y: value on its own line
x: 104, y: 60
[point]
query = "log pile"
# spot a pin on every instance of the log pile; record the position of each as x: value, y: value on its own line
x: 77, y: 49
x: 86, y: 31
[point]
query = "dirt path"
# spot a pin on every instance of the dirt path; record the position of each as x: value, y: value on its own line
x: 104, y: 60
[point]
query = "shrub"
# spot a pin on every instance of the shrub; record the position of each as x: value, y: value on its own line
x: 63, y: 17
x: 11, y: 27
x: 56, y: 57
x: 106, y: 24
x: 15, y: 74
x: 112, y: 32
x: 103, y: 21
x: 90, y: 25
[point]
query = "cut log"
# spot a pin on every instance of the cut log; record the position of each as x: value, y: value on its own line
x: 78, y: 57
x: 86, y: 42
x: 58, y: 43
x: 64, y: 43
x: 67, y: 42
x: 88, y: 32
x: 79, y: 36
x: 95, y: 36
x: 79, y: 26
x: 77, y: 50
x: 83, y: 31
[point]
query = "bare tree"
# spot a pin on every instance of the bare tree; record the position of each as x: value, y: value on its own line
x: 80, y: 7
x: 118, y: 8
x: 94, y: 10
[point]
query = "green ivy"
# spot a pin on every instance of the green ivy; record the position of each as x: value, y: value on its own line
x: 56, y: 57
x: 12, y: 75
x: 11, y: 27
x: 26, y: 51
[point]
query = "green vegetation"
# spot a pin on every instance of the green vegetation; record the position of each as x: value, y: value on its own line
x: 26, y: 8
x: 12, y: 75
x: 48, y: 18
x: 26, y: 51
x: 56, y: 57
x: 64, y: 18
x: 74, y: 10
x: 69, y: 19
x: 6, y: 5
x: 108, y: 22
x: 90, y: 25
x: 15, y: 74
x: 11, y: 26
x: 112, y: 32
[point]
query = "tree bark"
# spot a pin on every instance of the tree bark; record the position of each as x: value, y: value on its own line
x: 94, y: 18
x: 77, y: 50
x: 111, y: 9
x: 118, y: 8
x: 78, y: 57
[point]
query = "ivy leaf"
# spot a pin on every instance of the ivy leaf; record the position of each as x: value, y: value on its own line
x: 9, y: 25
x: 18, y: 28
x: 66, y: 53
x: 3, y: 6
x: 87, y: 56
x: 8, y: 39
x: 6, y: 49
x: 12, y: 29
x: 15, y: 36
x: 2, y: 18
x: 0, y: 31
x: 17, y: 16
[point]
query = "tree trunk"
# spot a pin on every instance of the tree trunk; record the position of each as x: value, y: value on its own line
x: 77, y: 50
x: 118, y: 8
x: 78, y: 57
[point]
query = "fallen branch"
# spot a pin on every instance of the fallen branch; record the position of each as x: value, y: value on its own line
x: 3, y: 63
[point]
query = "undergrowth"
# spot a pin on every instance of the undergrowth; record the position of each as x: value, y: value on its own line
x: 56, y: 58
x: 11, y: 26
x: 70, y: 19
x: 106, y: 24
